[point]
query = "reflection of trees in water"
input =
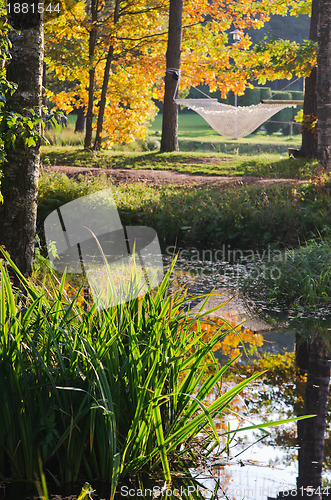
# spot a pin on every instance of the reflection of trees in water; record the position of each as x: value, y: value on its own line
x: 311, y: 433
x: 287, y: 390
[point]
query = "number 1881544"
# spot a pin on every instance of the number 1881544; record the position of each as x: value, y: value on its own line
x: 31, y: 8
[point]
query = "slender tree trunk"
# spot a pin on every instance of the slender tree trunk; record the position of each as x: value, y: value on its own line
x: 81, y: 119
x: 309, y: 135
x: 103, y: 99
x: 21, y: 170
x: 324, y: 84
x: 311, y: 432
x: 92, y: 45
x: 169, y: 140
x: 104, y: 90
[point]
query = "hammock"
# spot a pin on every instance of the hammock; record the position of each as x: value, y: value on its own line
x: 235, y: 121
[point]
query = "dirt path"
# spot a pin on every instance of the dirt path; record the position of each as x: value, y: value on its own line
x: 167, y: 177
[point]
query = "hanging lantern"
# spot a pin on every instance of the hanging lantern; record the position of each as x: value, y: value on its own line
x: 236, y: 35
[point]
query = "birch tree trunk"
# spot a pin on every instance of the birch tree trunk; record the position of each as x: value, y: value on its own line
x: 323, y: 87
x: 169, y: 141
x: 21, y: 170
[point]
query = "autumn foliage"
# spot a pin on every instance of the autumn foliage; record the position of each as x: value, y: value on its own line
x: 136, y: 33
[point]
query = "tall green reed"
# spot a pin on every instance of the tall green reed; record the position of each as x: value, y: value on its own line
x: 100, y: 396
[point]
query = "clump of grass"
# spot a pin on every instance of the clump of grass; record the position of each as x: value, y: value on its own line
x: 57, y: 189
x: 299, y: 278
x: 102, y: 395
x: 63, y: 136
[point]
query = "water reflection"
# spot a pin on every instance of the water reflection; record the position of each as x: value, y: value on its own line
x: 311, y: 435
x: 292, y: 457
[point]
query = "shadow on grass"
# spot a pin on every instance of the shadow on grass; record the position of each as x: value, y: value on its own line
x: 190, y: 162
x: 287, y: 168
x: 145, y: 160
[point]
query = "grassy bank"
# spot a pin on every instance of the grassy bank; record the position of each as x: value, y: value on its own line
x: 194, y: 134
x: 299, y: 279
x: 242, y: 216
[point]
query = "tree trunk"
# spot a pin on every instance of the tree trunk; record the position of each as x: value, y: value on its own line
x: 309, y: 135
x: 103, y: 99
x: 301, y: 351
x: 92, y: 45
x: 80, y: 120
x: 104, y: 90
x: 323, y: 87
x: 169, y: 141
x: 311, y: 432
x: 21, y: 170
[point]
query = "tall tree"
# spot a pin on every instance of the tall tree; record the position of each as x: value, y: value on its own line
x: 93, y: 34
x: 105, y: 82
x: 21, y: 170
x: 169, y: 141
x: 323, y: 86
x: 309, y: 136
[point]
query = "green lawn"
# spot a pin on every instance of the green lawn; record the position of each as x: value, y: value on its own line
x: 194, y: 133
x: 269, y: 165
x: 202, y: 151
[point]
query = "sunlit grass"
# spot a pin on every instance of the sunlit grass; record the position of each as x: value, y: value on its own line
x: 269, y: 165
x: 194, y: 135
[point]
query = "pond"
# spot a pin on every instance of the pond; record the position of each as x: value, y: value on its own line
x: 258, y: 464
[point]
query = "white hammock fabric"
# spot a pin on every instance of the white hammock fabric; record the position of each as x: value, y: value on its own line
x: 232, y: 121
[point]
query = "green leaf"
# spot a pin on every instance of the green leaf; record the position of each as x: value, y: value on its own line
x: 31, y: 142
